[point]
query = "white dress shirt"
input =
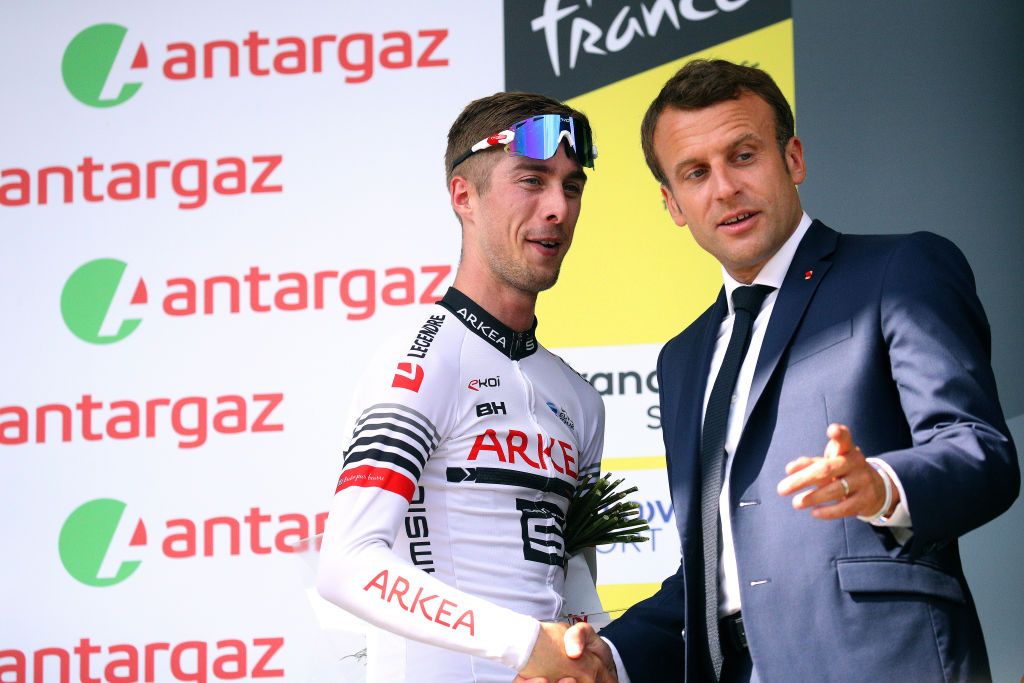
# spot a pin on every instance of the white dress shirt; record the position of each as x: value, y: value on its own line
x: 772, y: 274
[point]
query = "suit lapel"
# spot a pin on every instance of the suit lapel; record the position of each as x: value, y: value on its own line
x: 813, y: 257
x: 693, y: 382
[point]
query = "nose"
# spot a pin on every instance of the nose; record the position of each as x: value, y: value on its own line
x: 725, y: 183
x: 556, y: 205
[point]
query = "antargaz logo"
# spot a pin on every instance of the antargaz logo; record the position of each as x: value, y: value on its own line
x: 94, y: 63
x: 86, y: 300
x: 104, y: 300
x: 86, y: 537
x: 101, y: 546
x: 89, y: 59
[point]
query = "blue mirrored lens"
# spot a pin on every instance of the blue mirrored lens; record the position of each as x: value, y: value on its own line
x: 539, y: 137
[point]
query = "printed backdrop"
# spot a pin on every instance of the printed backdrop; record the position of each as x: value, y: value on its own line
x: 210, y: 213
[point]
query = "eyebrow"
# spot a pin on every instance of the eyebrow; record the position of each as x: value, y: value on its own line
x: 746, y: 137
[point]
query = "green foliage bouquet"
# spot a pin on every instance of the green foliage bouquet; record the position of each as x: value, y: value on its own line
x: 598, y: 515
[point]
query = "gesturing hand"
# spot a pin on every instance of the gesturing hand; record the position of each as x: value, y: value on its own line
x: 841, y: 476
x: 569, y: 655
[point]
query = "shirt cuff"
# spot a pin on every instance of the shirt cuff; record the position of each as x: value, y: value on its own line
x: 901, y: 515
x: 518, y: 654
x: 620, y: 669
x: 899, y: 521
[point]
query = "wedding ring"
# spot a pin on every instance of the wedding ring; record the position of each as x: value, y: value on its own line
x: 846, y: 486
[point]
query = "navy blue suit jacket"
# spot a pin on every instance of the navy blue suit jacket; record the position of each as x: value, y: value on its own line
x: 886, y: 335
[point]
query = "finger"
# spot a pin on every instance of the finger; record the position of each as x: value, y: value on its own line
x: 831, y: 492
x: 840, y: 440
x: 859, y: 476
x: 864, y: 480
x: 576, y: 639
x: 798, y: 464
x: 854, y: 504
x: 820, y: 472
x: 855, y: 471
x: 866, y: 491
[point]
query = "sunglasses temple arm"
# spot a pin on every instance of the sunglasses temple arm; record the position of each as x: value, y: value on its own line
x: 504, y: 136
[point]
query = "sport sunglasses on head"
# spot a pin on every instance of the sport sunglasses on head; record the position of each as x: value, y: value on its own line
x: 538, y: 137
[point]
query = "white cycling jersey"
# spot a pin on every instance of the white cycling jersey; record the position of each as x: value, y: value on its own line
x: 446, y: 528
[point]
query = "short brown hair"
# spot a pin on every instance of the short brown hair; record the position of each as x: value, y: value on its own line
x: 489, y: 115
x: 702, y: 83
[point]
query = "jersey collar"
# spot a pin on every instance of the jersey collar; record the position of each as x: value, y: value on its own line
x: 515, y: 345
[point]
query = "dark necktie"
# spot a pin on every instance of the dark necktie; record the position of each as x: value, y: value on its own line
x: 746, y: 302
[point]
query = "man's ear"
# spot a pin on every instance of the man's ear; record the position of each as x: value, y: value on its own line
x: 794, y: 156
x: 462, y: 195
x: 673, y: 207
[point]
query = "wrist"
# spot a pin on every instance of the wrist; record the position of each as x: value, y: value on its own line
x: 529, y: 649
x: 885, y: 511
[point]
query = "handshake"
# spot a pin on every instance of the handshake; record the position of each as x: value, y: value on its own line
x: 565, y: 654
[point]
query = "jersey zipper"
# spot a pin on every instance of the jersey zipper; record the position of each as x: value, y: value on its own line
x: 517, y: 341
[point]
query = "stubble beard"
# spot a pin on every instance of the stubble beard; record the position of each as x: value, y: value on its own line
x: 522, y: 277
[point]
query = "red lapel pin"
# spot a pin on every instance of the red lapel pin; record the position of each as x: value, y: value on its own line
x: 809, y: 274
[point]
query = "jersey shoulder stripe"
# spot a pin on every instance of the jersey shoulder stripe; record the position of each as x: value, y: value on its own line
x: 378, y: 456
x: 401, y: 413
x: 374, y: 430
x: 393, y: 430
x: 395, y: 448
x: 388, y: 438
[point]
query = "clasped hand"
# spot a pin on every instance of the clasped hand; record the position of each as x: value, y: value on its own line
x: 569, y: 655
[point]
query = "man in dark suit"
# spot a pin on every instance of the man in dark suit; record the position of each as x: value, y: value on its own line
x: 830, y: 432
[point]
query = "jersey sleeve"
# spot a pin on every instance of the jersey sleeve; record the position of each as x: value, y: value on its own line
x: 398, y: 408
x: 403, y: 409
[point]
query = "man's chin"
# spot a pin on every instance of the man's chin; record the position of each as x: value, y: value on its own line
x: 538, y: 283
x: 547, y: 282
